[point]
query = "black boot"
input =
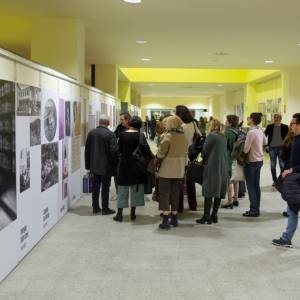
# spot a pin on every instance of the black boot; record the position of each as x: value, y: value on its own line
x: 207, y: 206
x: 119, y: 216
x: 165, y: 222
x: 132, y: 214
x: 214, y: 215
x: 174, y: 221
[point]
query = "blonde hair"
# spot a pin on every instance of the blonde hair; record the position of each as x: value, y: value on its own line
x: 215, y: 126
x: 173, y: 122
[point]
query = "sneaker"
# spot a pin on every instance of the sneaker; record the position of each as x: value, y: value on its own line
x: 282, y: 243
x: 108, y: 212
x: 251, y: 214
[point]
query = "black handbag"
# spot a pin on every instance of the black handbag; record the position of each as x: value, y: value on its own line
x: 196, y: 148
x: 142, y: 155
x: 195, y: 171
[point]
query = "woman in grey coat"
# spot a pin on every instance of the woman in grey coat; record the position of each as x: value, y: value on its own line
x: 216, y: 173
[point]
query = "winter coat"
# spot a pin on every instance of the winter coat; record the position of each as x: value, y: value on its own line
x: 101, y: 152
x: 215, y: 175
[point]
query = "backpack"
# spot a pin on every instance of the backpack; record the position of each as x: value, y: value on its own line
x: 237, y: 152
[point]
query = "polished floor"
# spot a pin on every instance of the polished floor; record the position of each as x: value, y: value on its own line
x: 92, y: 257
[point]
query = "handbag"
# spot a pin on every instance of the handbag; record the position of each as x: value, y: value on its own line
x: 195, y: 171
x: 142, y: 155
x: 196, y: 148
x: 154, y: 165
x: 197, y: 135
x: 238, y: 173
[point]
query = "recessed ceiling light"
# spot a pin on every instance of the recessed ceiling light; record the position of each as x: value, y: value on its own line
x: 269, y: 61
x: 221, y: 53
x: 133, y: 1
x: 145, y: 59
x: 220, y: 85
x: 298, y: 44
x: 141, y: 42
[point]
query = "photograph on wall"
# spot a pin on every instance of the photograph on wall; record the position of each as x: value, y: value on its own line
x: 65, y: 192
x: 8, y: 198
x: 24, y: 166
x: 50, y: 120
x: 65, y: 159
x: 277, y: 106
x: 61, y: 129
x: 29, y: 100
x: 76, y: 158
x: 49, y: 170
x: 92, y: 122
x: 76, y: 118
x: 67, y: 118
x: 35, y: 131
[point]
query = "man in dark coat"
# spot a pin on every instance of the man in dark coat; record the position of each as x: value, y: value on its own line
x: 293, y: 209
x: 101, y: 158
x: 123, y: 126
x: 276, y: 134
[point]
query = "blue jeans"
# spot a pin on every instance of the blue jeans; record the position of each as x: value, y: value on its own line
x: 291, y: 226
x: 252, y: 175
x: 275, y: 152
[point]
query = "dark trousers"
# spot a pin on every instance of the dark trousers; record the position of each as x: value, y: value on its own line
x: 102, y: 181
x: 252, y: 174
x: 169, y: 193
x: 191, y: 194
x: 275, y: 153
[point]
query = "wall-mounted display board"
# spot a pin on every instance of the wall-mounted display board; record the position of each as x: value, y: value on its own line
x: 44, y: 117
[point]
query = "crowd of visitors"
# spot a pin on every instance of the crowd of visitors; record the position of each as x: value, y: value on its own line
x: 229, y: 157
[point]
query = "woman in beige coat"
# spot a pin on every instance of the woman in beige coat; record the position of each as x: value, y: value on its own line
x: 172, y: 152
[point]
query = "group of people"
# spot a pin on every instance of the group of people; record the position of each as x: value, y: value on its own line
x: 230, y: 156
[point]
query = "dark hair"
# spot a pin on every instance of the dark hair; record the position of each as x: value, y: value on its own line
x: 233, y: 120
x: 256, y: 117
x: 184, y: 114
x: 297, y: 117
x: 126, y: 115
x: 135, y: 122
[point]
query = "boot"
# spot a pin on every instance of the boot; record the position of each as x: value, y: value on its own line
x: 214, y: 215
x: 119, y: 216
x: 174, y: 220
x: 132, y: 214
x: 165, y: 223
x: 207, y: 206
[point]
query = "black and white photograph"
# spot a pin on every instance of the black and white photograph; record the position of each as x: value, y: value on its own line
x: 67, y: 118
x: 76, y: 119
x: 49, y: 171
x: 8, y: 199
x: 65, y: 159
x: 24, y: 166
x: 35, y: 131
x: 50, y: 120
x: 28, y: 100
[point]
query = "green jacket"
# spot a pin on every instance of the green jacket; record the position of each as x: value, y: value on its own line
x: 231, y: 136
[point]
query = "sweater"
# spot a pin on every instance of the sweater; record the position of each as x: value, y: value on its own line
x: 254, y: 144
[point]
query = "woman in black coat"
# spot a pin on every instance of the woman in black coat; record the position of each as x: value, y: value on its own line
x: 129, y: 178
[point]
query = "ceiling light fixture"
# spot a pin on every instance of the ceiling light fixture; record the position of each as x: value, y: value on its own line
x: 269, y: 61
x: 221, y: 53
x: 220, y: 85
x: 145, y: 59
x: 141, y: 42
x: 298, y: 44
x: 133, y: 1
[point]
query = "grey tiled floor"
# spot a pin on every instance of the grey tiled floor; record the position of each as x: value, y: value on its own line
x: 92, y: 257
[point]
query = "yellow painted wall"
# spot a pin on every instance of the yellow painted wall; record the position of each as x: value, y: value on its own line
x: 60, y: 44
x: 107, y: 79
x: 124, y: 91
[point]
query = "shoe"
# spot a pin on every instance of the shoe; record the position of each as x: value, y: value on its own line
x: 285, y: 214
x: 236, y: 203
x: 273, y: 184
x: 96, y: 211
x: 108, y: 212
x: 165, y: 223
x: 204, y: 220
x: 250, y: 214
x: 282, y: 243
x: 118, y: 218
x: 214, y: 219
x: 164, y: 226
x: 227, y: 205
x: 174, y: 221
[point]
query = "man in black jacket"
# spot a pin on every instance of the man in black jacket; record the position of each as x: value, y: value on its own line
x: 123, y: 125
x: 276, y: 134
x: 101, y: 158
x: 293, y: 210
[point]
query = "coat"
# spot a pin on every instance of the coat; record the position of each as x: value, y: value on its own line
x: 216, y: 173
x: 172, y: 150
x: 101, y: 152
x: 128, y: 174
x: 269, y: 132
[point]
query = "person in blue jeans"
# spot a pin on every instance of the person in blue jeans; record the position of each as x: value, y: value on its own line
x: 293, y: 210
x: 254, y: 144
x: 276, y: 133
